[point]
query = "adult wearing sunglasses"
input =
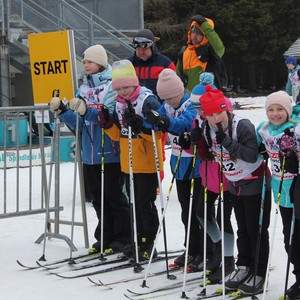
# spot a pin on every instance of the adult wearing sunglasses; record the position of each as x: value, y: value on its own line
x: 147, y: 60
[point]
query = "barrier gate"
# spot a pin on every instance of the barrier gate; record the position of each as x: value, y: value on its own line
x: 30, y: 148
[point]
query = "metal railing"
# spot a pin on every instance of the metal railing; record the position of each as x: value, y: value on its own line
x: 27, y: 158
x: 88, y: 28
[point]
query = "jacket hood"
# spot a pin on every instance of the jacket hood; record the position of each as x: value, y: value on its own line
x: 204, y: 40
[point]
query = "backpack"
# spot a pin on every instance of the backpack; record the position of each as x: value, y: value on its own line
x: 215, y: 64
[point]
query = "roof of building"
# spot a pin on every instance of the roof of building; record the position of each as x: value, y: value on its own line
x: 294, y: 50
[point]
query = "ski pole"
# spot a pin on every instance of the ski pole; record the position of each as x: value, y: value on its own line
x: 289, y: 255
x: 137, y: 267
x: 102, y: 195
x: 74, y: 185
x: 274, y: 227
x: 47, y: 200
x: 162, y: 205
x: 161, y: 221
x: 203, y: 292
x: 260, y: 222
x: 183, y: 295
x: 219, y: 125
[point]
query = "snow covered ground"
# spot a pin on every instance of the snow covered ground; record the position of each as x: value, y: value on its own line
x: 18, y: 236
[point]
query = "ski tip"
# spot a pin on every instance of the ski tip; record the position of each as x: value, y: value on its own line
x: 26, y: 267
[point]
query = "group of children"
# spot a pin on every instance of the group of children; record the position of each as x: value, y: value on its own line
x: 230, y: 167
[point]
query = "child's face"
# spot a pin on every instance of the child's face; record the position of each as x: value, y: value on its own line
x: 175, y: 101
x: 217, y: 118
x: 290, y: 66
x: 277, y: 115
x: 90, y: 67
x: 126, y: 91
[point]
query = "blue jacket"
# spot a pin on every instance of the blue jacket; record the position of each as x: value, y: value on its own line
x: 181, y: 120
x: 97, y: 91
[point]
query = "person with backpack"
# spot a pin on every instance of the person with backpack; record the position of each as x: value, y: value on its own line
x: 203, y: 53
x: 293, y: 81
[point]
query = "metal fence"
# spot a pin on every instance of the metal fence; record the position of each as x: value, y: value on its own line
x: 29, y: 155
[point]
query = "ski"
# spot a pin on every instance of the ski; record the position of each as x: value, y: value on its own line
x: 165, y: 287
x: 217, y: 293
x: 71, y: 275
x: 80, y: 258
x: 61, y: 261
x: 109, y: 284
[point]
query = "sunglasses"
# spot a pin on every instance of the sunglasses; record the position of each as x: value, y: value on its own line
x: 142, y: 43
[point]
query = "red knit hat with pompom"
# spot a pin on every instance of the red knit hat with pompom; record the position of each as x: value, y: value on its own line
x: 213, y: 101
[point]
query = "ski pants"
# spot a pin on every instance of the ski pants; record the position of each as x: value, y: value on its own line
x: 196, y: 231
x: 116, y: 207
x: 247, y: 213
x: 145, y: 186
x: 214, y: 222
x: 286, y: 217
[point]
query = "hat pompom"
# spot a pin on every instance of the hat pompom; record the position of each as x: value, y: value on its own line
x: 208, y: 88
x: 207, y: 78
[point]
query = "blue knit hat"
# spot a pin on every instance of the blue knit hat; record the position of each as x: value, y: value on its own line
x: 291, y: 60
x: 205, y: 79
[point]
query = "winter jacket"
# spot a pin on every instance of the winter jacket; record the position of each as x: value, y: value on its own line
x: 270, y: 135
x: 181, y: 120
x: 143, y: 158
x: 148, y: 71
x: 96, y: 91
x: 195, y: 57
x: 293, y: 80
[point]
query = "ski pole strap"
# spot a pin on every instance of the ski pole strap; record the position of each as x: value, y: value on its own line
x: 281, y: 180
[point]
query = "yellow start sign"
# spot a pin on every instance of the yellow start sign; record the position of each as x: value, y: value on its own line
x: 53, y: 66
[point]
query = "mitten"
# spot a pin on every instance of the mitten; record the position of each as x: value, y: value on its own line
x: 78, y: 105
x: 56, y: 105
x: 263, y: 151
x: 105, y: 120
x: 184, y: 140
x: 196, y: 133
x: 287, y: 153
x: 220, y: 134
x: 199, y: 19
x: 154, y: 118
x: 133, y: 120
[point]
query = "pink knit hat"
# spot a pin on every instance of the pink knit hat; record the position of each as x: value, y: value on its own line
x: 123, y: 74
x: 281, y: 98
x: 169, y: 85
x: 213, y: 101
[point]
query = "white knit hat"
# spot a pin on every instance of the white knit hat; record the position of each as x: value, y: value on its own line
x: 281, y: 98
x: 96, y: 54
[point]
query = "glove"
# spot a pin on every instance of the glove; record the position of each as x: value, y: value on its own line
x: 154, y: 118
x: 196, y: 133
x: 220, y: 134
x: 286, y: 143
x: 184, y: 140
x: 133, y: 120
x: 286, y: 149
x: 56, y: 105
x: 263, y: 152
x: 78, y: 105
x: 105, y: 120
x: 199, y: 19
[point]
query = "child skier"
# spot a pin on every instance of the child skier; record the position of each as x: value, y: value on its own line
x: 210, y: 174
x: 232, y: 141
x: 175, y: 116
x: 278, y: 137
x: 97, y: 93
